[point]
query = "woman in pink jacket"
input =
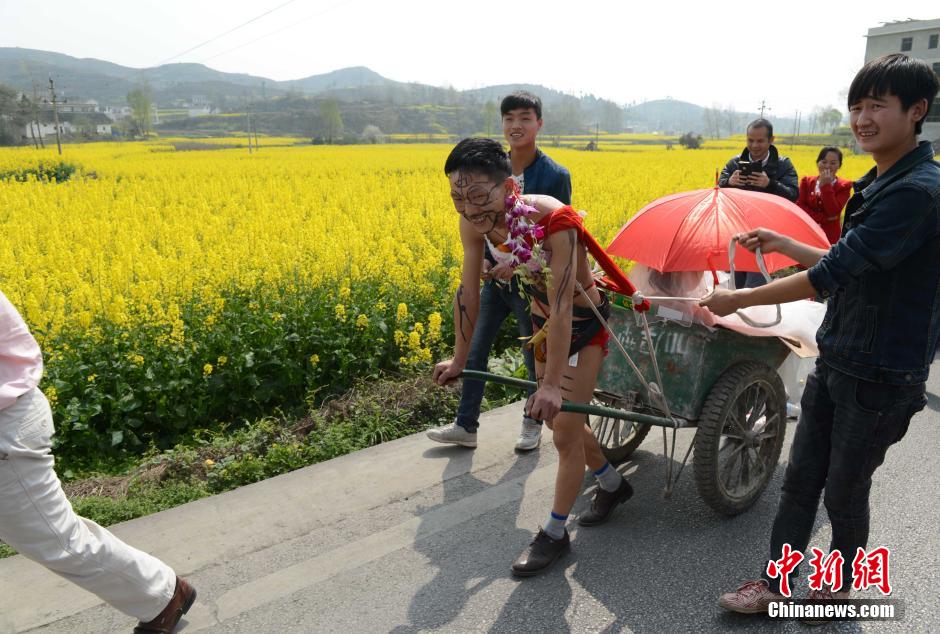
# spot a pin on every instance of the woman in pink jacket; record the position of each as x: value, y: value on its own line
x: 824, y: 196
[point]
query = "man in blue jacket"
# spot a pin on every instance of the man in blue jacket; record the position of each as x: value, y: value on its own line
x: 535, y: 173
x: 877, y: 340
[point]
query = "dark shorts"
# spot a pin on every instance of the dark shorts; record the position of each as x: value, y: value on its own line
x: 586, y: 328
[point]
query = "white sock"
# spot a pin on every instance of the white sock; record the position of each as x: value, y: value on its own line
x: 555, y: 527
x: 608, y: 478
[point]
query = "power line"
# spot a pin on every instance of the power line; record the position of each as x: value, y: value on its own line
x: 289, y: 26
x: 233, y: 29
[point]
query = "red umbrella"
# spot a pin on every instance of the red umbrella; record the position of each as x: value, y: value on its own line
x: 691, y: 231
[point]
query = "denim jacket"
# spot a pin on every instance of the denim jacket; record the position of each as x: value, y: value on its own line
x: 882, y: 278
x: 545, y: 176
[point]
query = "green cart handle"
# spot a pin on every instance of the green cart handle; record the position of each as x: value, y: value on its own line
x: 577, y: 408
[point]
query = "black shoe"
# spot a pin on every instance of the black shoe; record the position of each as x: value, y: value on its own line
x: 541, y: 553
x: 604, y: 503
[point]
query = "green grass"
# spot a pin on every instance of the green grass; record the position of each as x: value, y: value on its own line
x: 372, y: 412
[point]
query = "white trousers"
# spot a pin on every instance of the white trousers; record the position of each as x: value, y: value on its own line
x: 37, y: 520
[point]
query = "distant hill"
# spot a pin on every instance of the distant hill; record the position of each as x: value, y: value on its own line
x: 497, y: 92
x: 345, y: 78
x: 666, y: 114
x: 359, y: 89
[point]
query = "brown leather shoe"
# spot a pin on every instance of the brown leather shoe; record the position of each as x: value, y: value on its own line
x: 541, y: 553
x: 179, y: 604
x: 604, y: 503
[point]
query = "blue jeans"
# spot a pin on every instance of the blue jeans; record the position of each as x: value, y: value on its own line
x: 845, y: 429
x: 497, y: 301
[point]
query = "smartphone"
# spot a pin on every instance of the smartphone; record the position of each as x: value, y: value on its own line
x: 745, y: 167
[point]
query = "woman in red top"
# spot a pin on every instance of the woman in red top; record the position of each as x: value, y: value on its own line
x: 824, y: 196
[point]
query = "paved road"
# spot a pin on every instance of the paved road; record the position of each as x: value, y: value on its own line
x: 411, y: 537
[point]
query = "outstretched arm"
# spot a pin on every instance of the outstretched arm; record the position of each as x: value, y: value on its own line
x: 466, y: 305
x: 788, y: 289
x: 771, y: 241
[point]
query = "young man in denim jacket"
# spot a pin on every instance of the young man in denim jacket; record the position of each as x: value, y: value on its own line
x: 879, y: 335
x: 535, y: 173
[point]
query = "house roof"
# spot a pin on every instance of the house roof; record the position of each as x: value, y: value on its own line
x: 76, y: 117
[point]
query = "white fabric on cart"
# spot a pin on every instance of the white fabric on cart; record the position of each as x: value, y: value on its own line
x: 797, y: 328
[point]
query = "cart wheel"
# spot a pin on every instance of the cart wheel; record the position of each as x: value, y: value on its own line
x: 739, y: 438
x: 618, y: 438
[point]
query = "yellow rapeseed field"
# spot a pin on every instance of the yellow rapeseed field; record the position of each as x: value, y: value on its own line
x: 350, y: 254
x: 152, y: 226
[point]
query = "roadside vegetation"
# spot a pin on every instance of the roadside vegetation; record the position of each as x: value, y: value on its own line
x: 373, y: 411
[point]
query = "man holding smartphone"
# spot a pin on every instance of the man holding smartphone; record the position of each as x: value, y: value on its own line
x: 760, y: 168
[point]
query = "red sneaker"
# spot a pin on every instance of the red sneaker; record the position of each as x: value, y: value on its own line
x: 751, y: 598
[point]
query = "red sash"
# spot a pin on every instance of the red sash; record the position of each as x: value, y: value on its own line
x: 616, y: 281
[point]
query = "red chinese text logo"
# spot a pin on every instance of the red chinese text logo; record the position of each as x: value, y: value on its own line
x: 826, y: 570
x: 783, y: 567
x: 871, y: 569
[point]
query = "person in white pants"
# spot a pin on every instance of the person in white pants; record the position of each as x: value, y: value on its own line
x: 37, y: 520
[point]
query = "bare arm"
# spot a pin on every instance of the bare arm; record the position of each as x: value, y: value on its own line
x: 564, y: 267
x: 771, y: 241
x: 466, y: 305
x: 545, y: 403
x: 788, y: 289
x: 467, y: 297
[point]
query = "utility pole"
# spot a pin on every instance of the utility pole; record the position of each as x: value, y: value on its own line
x: 248, y: 114
x: 35, y: 113
x: 763, y: 106
x: 32, y: 133
x: 55, y: 115
x: 796, y: 115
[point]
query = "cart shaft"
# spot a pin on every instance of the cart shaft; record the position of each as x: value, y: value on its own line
x: 580, y: 408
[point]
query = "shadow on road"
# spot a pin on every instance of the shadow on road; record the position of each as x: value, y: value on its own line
x: 460, y: 574
x: 658, y: 565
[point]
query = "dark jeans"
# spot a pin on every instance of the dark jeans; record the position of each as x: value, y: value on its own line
x: 497, y: 301
x: 845, y: 429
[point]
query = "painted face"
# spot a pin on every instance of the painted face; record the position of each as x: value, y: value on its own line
x: 520, y: 127
x: 758, y: 143
x: 479, y: 200
x: 881, y: 125
x: 829, y: 163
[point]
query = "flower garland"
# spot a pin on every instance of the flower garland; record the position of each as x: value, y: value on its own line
x: 528, y: 258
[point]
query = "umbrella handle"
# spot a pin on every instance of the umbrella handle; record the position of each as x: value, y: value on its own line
x: 763, y: 269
